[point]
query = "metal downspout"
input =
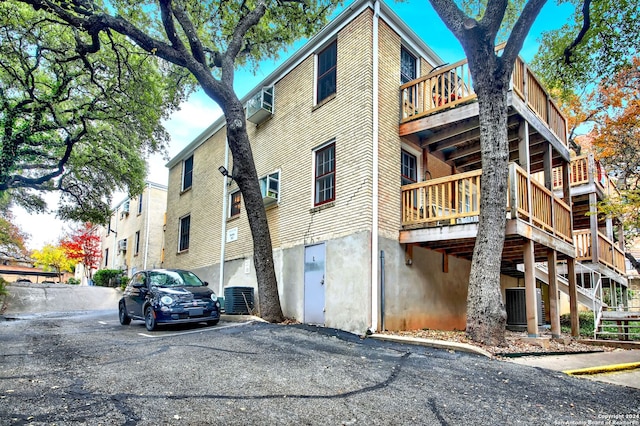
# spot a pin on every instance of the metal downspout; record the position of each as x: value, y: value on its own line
x: 375, y: 285
x: 223, y: 236
x: 146, y: 231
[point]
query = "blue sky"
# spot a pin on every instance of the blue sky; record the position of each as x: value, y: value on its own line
x: 199, y: 111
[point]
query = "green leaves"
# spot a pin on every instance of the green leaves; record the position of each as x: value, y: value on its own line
x: 608, y: 45
x: 77, y: 122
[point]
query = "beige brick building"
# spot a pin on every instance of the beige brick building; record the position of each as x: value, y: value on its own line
x: 134, y: 237
x: 349, y: 159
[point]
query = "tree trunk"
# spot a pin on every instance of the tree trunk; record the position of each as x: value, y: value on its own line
x: 634, y: 262
x: 486, y: 316
x: 244, y: 173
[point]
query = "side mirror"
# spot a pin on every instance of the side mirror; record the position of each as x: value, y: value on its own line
x: 139, y: 285
x: 206, y: 283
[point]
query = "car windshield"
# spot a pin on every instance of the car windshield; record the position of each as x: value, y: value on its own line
x: 174, y: 279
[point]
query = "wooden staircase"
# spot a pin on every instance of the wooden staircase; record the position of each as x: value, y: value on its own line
x: 623, y: 320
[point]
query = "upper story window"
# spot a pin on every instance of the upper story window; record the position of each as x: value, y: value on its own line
x: 409, y: 169
x: 140, y: 204
x: 325, y: 174
x: 234, y: 203
x: 183, y: 237
x: 270, y: 187
x: 136, y: 244
x: 408, y: 66
x: 106, y: 257
x: 187, y: 173
x: 327, y: 64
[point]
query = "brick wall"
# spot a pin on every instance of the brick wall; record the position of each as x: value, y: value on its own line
x: 285, y: 142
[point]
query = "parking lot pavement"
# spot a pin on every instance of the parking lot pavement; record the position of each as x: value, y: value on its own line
x: 88, y: 369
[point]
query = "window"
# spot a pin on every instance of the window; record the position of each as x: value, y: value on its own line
x: 408, y: 66
x: 408, y: 71
x: 106, y: 257
x: 140, y: 204
x: 136, y: 247
x: 187, y: 173
x: 327, y: 62
x: 183, y: 238
x: 325, y: 174
x: 270, y: 186
x: 234, y: 203
x: 409, y: 169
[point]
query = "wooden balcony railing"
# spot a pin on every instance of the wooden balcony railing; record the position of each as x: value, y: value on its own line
x: 585, y: 169
x: 456, y: 199
x: 608, y: 253
x: 452, y: 85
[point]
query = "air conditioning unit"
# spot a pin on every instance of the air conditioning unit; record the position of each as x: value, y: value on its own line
x: 260, y: 107
x: 122, y: 245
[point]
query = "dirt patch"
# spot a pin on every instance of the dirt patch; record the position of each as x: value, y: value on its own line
x: 517, y: 342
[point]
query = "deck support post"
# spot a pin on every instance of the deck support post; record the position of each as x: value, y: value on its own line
x: 554, y: 311
x: 573, y: 297
x: 593, y: 221
x: 530, y: 288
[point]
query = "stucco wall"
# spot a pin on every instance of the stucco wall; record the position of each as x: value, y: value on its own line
x: 422, y: 295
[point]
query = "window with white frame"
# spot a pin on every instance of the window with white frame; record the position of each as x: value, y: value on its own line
x: 326, y: 72
x: 325, y: 174
x: 270, y: 186
x: 183, y: 235
x: 187, y: 173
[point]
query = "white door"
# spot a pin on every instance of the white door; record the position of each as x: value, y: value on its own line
x: 314, y: 284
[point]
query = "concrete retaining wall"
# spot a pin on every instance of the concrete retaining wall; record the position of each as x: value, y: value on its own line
x: 24, y: 298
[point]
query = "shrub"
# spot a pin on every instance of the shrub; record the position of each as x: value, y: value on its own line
x: 586, y: 323
x: 107, y: 277
x: 73, y: 281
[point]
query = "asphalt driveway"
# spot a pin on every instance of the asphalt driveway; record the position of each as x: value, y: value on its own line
x: 88, y: 369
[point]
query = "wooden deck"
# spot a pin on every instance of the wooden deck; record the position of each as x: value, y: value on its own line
x: 452, y: 86
x: 587, y: 175
x: 442, y: 214
x: 610, y: 254
x: 455, y: 200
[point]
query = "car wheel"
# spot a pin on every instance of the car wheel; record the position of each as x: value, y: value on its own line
x: 212, y: 322
x: 149, y: 318
x: 125, y: 319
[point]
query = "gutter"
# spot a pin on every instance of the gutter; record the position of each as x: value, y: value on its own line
x: 375, y: 289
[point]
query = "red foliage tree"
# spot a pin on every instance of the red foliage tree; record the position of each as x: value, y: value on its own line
x: 83, y: 246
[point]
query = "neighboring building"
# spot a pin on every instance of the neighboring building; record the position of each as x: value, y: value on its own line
x: 134, y: 238
x: 16, y: 270
x: 369, y: 161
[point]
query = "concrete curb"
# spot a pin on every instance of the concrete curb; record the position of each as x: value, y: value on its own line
x: 603, y: 369
x: 240, y: 318
x: 455, y: 346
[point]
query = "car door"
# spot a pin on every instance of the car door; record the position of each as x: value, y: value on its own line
x: 136, y: 294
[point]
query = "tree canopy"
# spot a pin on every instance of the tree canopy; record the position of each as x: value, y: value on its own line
x: 12, y: 238
x: 82, y: 246
x: 74, y: 118
x: 601, y: 38
x: 51, y: 258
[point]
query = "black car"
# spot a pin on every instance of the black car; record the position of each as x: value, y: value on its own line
x: 162, y: 296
